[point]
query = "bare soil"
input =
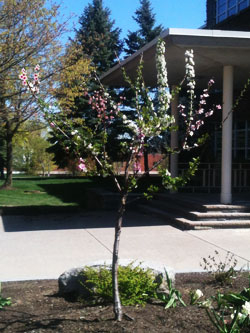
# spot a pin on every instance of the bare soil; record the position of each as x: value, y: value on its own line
x: 37, y: 307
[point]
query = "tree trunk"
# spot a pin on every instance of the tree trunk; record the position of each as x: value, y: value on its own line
x: 9, y: 159
x: 1, y: 167
x: 145, y: 155
x: 116, y: 297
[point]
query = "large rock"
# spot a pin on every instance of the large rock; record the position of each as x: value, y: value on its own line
x: 72, y: 281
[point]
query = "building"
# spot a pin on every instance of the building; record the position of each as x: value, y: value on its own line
x: 228, y: 15
x: 223, y: 55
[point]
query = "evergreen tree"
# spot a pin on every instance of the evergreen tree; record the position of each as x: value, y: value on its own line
x: 146, y: 21
x: 97, y: 37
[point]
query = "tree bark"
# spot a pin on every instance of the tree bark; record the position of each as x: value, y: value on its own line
x: 1, y: 167
x: 116, y: 297
x: 145, y: 155
x: 9, y: 158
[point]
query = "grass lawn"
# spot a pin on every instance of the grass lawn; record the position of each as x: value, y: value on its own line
x: 38, y: 194
x: 42, y: 193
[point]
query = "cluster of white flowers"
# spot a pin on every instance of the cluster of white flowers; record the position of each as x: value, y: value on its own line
x: 190, y: 72
x: 131, y: 124
x: 245, y: 311
x: 164, y: 95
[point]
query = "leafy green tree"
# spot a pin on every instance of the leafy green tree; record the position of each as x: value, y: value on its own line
x: 97, y: 37
x: 29, y: 33
x: 30, y: 149
x: 2, y: 157
x: 147, y: 32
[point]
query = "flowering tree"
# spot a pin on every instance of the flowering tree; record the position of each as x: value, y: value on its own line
x: 29, y: 32
x: 91, y: 143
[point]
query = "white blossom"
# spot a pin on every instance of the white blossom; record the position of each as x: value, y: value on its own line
x: 198, y: 294
x: 246, y: 308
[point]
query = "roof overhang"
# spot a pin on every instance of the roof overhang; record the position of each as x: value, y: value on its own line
x: 213, y: 49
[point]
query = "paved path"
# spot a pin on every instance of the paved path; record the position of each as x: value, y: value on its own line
x: 43, y: 247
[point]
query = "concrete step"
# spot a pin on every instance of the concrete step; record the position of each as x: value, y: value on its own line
x: 233, y: 208
x: 188, y: 224
x: 219, y: 216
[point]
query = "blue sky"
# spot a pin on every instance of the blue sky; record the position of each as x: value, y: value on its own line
x: 169, y: 13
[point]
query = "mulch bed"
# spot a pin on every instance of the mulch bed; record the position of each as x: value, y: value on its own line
x: 36, y: 308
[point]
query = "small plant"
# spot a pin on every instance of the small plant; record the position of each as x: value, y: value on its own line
x: 136, y: 285
x: 231, y: 312
x: 223, y: 270
x: 195, y: 296
x: 4, y: 301
x: 173, y: 297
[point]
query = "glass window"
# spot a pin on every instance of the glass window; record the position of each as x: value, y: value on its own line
x: 226, y: 8
x: 222, y: 17
x: 232, y: 3
x: 242, y: 5
x: 241, y: 140
x: 232, y: 11
x: 221, y: 2
x: 222, y: 9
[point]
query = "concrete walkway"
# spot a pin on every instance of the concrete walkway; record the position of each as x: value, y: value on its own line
x: 43, y: 247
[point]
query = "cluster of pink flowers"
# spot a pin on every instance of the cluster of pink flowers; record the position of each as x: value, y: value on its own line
x: 136, y: 167
x: 81, y: 165
x: 192, y: 118
x: 34, y: 85
x: 99, y: 102
x: 23, y: 77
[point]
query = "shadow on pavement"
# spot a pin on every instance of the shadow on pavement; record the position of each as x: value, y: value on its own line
x: 84, y: 220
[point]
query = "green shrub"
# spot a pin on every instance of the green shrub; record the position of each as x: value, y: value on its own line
x: 136, y: 285
x: 4, y: 301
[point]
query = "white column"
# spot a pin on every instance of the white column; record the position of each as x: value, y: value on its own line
x: 174, y: 135
x: 227, y: 120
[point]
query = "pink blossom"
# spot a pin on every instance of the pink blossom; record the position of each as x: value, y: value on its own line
x: 200, y: 111
x: 218, y: 107
x: 137, y: 167
x: 199, y: 123
x: 52, y: 124
x: 211, y: 82
x: 81, y: 165
x: 209, y: 113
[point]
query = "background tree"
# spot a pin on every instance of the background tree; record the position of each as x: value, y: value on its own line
x: 2, y: 156
x: 28, y: 34
x: 99, y: 41
x: 97, y: 37
x: 69, y: 94
x: 30, y: 149
x: 146, y: 20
